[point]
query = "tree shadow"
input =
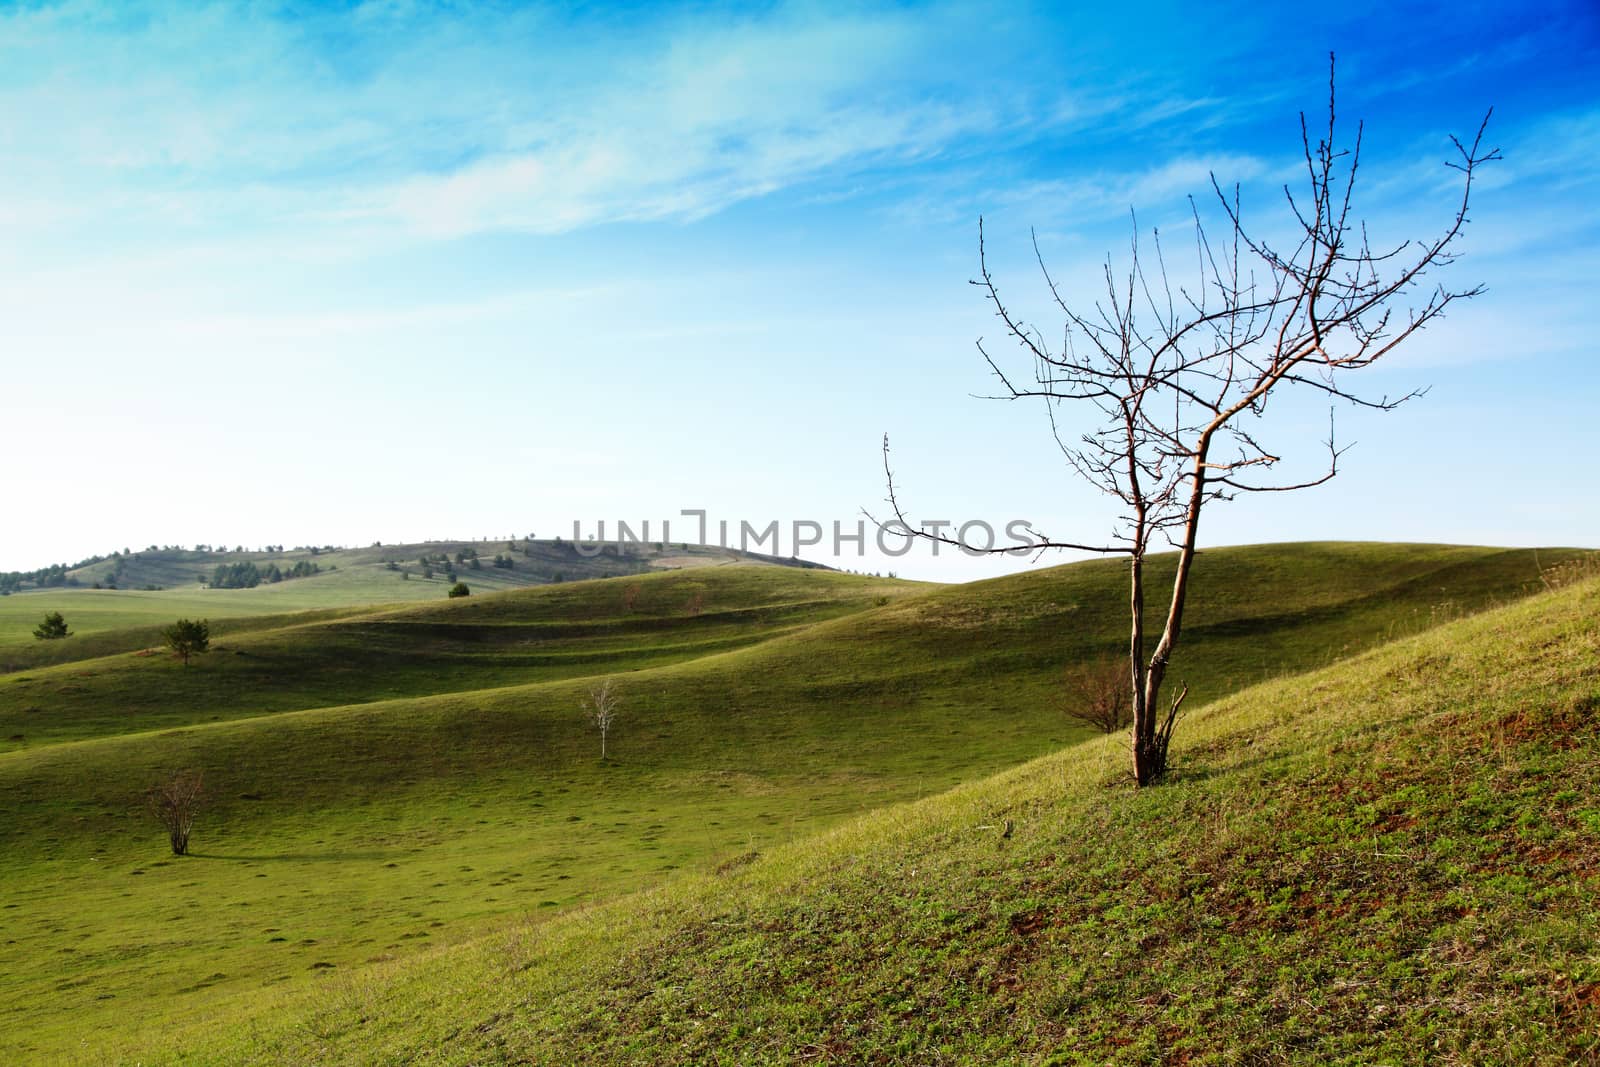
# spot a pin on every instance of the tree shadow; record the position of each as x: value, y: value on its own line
x: 300, y: 857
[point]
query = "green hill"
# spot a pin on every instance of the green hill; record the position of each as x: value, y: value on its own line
x: 1394, y: 860
x: 406, y: 777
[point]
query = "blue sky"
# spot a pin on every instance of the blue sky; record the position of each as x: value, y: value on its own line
x: 394, y: 271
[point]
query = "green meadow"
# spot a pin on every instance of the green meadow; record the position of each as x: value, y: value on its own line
x: 413, y: 849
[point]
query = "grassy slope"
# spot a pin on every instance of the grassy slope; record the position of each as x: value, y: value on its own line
x: 1393, y: 860
x: 351, y: 833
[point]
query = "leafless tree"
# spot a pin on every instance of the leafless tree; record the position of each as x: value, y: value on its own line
x: 1177, y: 376
x: 175, y: 802
x: 1099, y: 693
x: 600, y: 708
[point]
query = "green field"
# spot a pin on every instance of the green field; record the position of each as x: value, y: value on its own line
x: 390, y: 781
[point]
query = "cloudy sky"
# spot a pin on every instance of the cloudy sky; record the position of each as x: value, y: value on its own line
x: 393, y: 271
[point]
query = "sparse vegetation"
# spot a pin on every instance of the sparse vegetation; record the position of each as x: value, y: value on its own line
x: 1565, y: 572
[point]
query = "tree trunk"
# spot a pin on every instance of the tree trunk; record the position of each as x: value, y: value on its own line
x: 1144, y: 771
x: 1151, y: 738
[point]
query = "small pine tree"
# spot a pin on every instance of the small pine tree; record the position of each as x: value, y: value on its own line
x: 459, y: 590
x: 188, y: 638
x: 53, y: 628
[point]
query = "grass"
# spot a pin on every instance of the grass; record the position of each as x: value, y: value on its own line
x: 1393, y: 860
x: 412, y: 776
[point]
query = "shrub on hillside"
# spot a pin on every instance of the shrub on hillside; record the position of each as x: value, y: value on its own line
x: 175, y: 802
x: 1100, y: 694
x: 53, y: 628
x: 188, y: 638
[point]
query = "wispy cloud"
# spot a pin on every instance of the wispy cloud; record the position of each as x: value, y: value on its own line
x: 637, y: 160
x: 451, y: 122
x: 1087, y: 198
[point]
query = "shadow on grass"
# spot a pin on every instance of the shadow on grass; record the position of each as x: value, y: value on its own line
x: 301, y: 857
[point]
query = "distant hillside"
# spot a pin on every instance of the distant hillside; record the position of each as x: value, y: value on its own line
x: 148, y: 588
x: 522, y: 562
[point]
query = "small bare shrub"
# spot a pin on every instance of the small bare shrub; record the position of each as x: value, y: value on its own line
x: 1099, y: 693
x: 1568, y: 572
x: 175, y: 802
x: 600, y: 708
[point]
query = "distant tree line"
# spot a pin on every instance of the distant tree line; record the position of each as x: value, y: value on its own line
x: 51, y: 577
x: 246, y: 575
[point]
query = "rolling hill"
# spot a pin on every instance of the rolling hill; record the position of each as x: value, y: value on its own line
x: 410, y: 776
x: 1392, y: 860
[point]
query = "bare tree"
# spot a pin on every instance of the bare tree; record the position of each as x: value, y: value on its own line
x: 600, y: 708
x: 1100, y: 694
x: 1178, y: 376
x: 175, y: 803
